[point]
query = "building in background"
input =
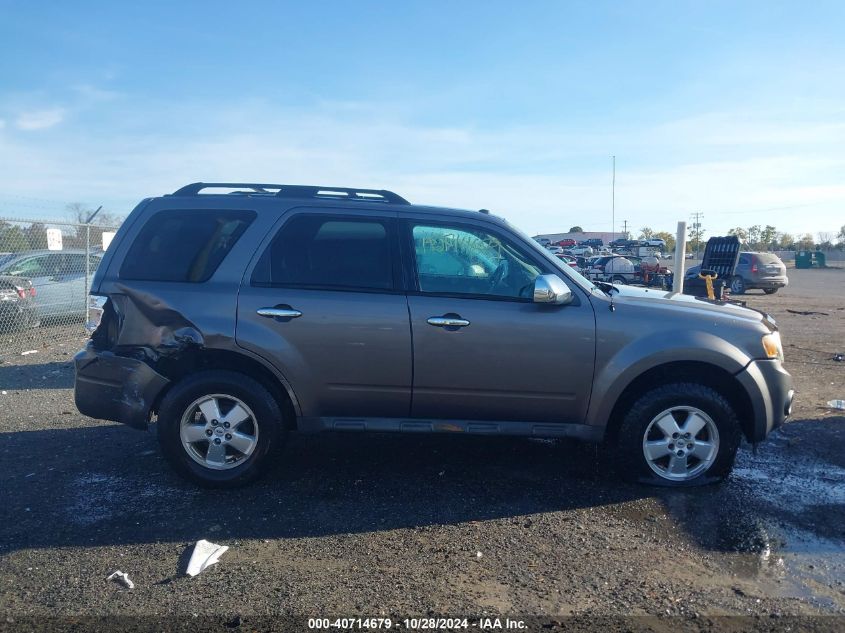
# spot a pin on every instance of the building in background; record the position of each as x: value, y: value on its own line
x: 604, y: 236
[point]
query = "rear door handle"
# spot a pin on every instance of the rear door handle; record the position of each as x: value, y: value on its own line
x: 447, y: 321
x: 279, y: 313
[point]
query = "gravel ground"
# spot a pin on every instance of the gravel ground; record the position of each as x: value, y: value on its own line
x: 406, y: 526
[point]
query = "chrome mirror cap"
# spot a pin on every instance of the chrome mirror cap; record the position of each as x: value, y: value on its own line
x: 550, y: 289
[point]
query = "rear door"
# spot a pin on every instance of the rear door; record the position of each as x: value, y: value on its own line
x: 483, y: 350
x: 324, y: 303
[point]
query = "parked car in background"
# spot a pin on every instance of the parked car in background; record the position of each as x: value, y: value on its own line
x: 568, y: 242
x: 58, y: 278
x: 585, y: 251
x: 17, y: 304
x: 595, y: 242
x: 568, y: 260
x: 656, y: 241
x: 555, y: 250
x: 763, y: 271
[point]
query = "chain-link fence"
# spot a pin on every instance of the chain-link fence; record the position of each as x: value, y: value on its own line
x: 45, y: 273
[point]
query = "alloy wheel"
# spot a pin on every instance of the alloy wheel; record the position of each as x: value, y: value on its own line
x: 681, y: 443
x: 219, y: 431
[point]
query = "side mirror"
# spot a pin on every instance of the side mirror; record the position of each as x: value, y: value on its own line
x: 550, y: 289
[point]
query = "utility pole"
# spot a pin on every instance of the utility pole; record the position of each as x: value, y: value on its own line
x: 697, y: 217
x: 613, y: 202
x: 625, y: 229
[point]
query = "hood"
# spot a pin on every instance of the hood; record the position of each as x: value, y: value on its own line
x: 704, y: 308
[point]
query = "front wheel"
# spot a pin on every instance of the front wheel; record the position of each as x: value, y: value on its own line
x: 618, y: 280
x: 681, y: 434
x: 217, y: 428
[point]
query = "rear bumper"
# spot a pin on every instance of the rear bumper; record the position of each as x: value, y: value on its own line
x: 776, y: 282
x: 110, y: 387
x: 769, y: 386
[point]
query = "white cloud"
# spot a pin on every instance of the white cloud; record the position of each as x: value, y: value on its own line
x: 40, y: 119
x: 541, y: 177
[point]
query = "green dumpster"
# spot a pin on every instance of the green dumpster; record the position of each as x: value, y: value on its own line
x: 810, y: 259
x: 803, y: 259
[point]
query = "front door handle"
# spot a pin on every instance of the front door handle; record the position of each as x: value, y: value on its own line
x: 279, y: 313
x: 448, y: 321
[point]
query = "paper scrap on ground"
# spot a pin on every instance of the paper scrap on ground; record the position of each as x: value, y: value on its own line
x: 28, y: 352
x: 204, y: 555
x: 122, y: 578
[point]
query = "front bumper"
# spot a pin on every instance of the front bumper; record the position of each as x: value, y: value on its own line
x: 769, y: 386
x: 111, y: 387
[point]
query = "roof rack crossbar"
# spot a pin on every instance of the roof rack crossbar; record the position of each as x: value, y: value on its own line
x: 297, y: 191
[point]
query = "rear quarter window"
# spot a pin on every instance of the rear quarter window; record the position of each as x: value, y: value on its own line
x: 184, y: 245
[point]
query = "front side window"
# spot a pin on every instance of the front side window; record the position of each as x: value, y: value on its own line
x: 332, y: 252
x: 470, y: 261
x: 186, y: 245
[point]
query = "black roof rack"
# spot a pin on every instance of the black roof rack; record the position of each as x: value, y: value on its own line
x: 295, y: 191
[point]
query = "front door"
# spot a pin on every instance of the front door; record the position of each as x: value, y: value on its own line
x: 482, y: 349
x: 324, y: 304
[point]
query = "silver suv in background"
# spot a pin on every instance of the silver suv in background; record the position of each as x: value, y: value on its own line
x: 764, y: 271
x: 232, y: 319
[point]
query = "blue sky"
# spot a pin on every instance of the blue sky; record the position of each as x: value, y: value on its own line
x: 735, y: 109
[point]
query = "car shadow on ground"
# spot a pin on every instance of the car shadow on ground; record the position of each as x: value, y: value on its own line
x: 108, y: 485
x: 53, y: 375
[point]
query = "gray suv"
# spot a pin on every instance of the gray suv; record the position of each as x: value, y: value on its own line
x: 235, y: 318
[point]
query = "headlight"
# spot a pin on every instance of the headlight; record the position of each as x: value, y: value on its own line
x: 772, y: 345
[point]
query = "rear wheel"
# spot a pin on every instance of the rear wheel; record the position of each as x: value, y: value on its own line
x: 217, y: 428
x: 737, y: 285
x: 770, y: 291
x: 618, y: 279
x: 682, y: 434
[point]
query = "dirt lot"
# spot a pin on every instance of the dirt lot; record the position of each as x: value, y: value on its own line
x: 393, y: 525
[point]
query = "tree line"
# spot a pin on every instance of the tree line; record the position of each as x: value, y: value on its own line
x: 756, y: 238
x: 16, y: 237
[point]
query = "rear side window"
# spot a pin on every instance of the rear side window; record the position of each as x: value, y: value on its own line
x: 334, y: 252
x: 185, y: 245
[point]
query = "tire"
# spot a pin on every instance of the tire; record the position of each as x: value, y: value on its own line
x: 255, y: 428
x: 618, y: 280
x: 691, y: 403
x: 737, y: 285
x: 770, y: 291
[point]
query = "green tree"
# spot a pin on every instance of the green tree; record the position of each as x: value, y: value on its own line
x: 667, y: 237
x: 36, y: 235
x: 754, y: 237
x: 12, y: 239
x: 806, y: 242
x: 841, y: 235
x: 576, y: 229
x: 741, y: 234
x: 695, y: 237
x: 768, y: 236
x: 646, y: 233
x: 786, y: 242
